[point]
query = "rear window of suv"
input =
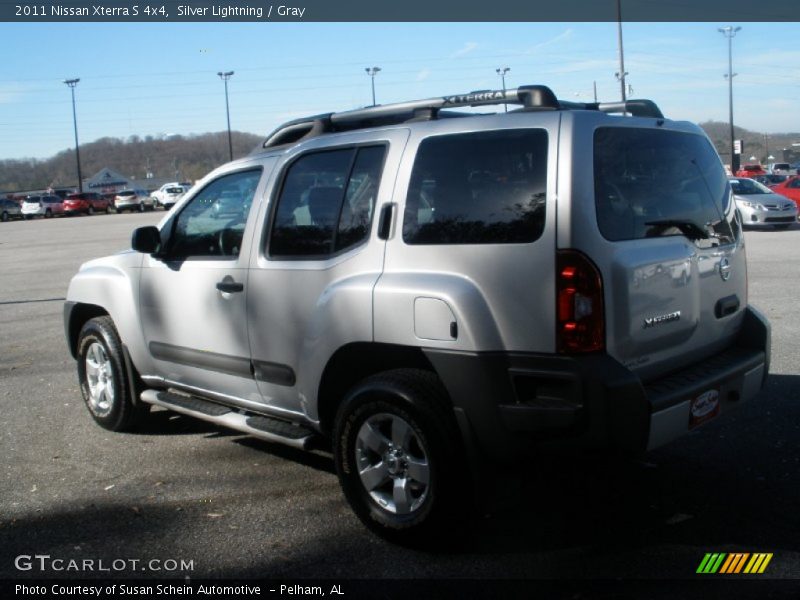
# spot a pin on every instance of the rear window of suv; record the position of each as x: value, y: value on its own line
x: 652, y: 183
x: 478, y: 188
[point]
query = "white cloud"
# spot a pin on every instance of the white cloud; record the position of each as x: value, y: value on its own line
x: 775, y: 58
x: 561, y: 37
x: 464, y: 50
x: 781, y: 104
x: 423, y: 74
x: 11, y: 92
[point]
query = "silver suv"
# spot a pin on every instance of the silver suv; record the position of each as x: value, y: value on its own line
x: 429, y: 288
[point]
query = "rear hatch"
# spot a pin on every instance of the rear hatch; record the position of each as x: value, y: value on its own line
x: 670, y: 249
x: 31, y: 205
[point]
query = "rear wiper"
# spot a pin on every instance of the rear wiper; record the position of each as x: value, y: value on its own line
x: 688, y: 228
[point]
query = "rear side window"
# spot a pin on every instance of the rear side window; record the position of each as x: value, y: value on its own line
x: 327, y: 202
x: 651, y: 183
x: 478, y: 188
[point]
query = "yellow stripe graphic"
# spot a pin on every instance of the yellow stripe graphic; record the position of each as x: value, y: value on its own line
x: 765, y: 563
x: 749, y: 566
x: 756, y: 566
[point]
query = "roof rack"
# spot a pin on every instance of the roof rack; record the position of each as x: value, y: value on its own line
x: 529, y: 97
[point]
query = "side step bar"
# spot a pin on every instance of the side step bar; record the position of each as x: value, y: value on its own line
x: 259, y: 426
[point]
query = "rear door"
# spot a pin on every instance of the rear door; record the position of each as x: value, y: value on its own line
x: 670, y: 247
x: 313, y: 272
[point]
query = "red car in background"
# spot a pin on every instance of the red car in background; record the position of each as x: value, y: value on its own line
x: 750, y: 171
x: 789, y: 188
x: 86, y: 202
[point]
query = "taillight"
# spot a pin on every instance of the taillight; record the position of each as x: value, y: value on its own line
x: 580, y: 320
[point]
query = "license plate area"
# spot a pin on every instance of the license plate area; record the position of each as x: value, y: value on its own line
x: 704, y: 407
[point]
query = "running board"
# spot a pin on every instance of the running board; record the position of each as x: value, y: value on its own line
x: 259, y: 426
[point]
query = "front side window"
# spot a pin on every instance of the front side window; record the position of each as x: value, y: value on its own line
x: 327, y: 202
x: 478, y: 188
x: 652, y: 183
x: 212, y: 224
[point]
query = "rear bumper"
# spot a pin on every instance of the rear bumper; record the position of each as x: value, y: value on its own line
x: 510, y: 403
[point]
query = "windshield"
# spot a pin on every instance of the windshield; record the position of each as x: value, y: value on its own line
x: 126, y: 193
x: 748, y: 187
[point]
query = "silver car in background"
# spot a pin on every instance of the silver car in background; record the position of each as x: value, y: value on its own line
x: 9, y: 210
x: 760, y: 206
x: 42, y: 206
x: 133, y: 200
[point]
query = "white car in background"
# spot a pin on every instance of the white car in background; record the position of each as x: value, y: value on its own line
x: 42, y: 206
x: 165, y: 195
x: 169, y: 196
x: 779, y: 168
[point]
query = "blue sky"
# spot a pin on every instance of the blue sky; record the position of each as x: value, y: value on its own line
x: 156, y: 79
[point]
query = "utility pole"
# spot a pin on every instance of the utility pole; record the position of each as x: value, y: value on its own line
x: 72, y: 83
x: 225, y: 77
x: 730, y: 32
x: 502, y: 72
x: 594, y: 84
x: 372, y: 71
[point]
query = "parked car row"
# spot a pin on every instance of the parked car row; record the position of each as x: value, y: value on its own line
x: 89, y: 203
x: 772, y: 169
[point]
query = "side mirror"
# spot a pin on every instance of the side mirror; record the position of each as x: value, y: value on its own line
x: 146, y: 240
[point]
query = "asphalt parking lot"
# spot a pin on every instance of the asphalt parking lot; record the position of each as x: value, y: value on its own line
x: 236, y: 507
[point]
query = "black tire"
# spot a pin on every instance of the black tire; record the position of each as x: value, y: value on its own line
x: 108, y: 209
x: 418, y: 399
x: 141, y: 207
x: 118, y: 412
x: 48, y: 213
x: 90, y: 212
x: 4, y: 216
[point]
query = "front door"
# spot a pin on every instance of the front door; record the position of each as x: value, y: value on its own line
x: 192, y: 298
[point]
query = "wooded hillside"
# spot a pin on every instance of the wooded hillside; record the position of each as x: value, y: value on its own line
x: 188, y: 158
x: 184, y: 158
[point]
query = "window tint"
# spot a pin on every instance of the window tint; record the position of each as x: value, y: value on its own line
x: 212, y: 224
x: 478, y: 188
x: 651, y: 183
x: 327, y: 202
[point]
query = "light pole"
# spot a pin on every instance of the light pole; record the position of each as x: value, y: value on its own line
x: 730, y: 32
x: 502, y: 72
x: 225, y: 76
x: 622, y: 73
x: 372, y: 71
x: 72, y: 83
